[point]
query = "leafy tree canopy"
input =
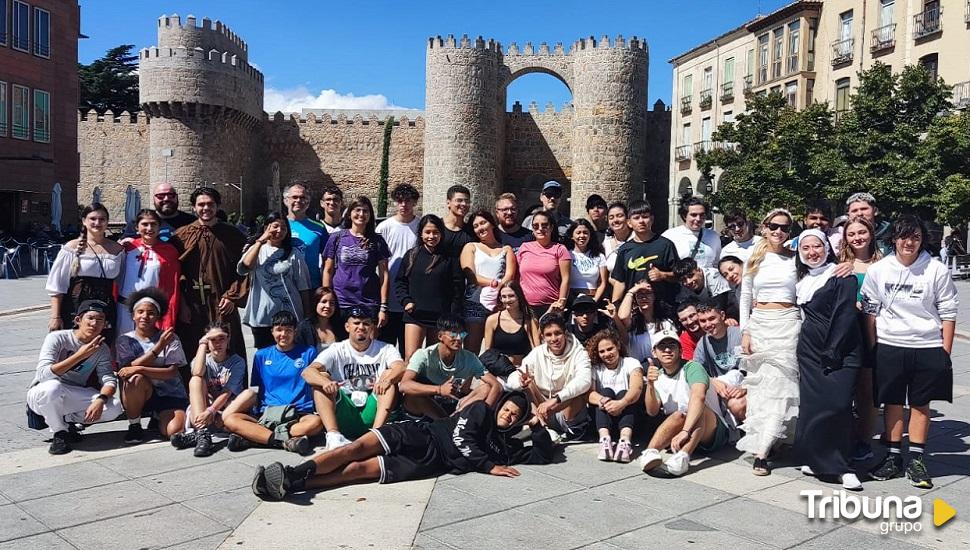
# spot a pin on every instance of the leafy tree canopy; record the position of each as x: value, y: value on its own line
x: 111, y: 82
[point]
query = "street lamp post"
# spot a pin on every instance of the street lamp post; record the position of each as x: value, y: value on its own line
x: 238, y: 187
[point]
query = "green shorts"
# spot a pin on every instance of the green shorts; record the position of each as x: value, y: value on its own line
x: 721, y: 435
x: 352, y: 420
x: 278, y: 419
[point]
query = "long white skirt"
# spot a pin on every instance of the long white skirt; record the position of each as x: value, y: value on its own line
x: 772, y: 380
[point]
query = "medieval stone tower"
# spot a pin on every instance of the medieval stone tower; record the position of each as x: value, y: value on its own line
x: 465, y: 114
x: 205, y: 101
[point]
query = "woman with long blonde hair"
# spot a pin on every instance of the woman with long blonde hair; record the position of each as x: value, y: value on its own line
x: 770, y: 323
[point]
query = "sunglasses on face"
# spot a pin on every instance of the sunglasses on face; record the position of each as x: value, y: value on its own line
x: 667, y: 345
x: 784, y: 227
x: 460, y: 335
x: 161, y: 196
x: 540, y: 226
x: 736, y: 226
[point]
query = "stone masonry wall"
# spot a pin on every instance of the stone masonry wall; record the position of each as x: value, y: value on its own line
x: 537, y: 143
x: 114, y: 154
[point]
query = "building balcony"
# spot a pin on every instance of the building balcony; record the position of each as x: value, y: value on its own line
x: 842, y: 51
x: 685, y: 104
x: 706, y: 99
x: 683, y: 152
x: 927, y: 23
x: 705, y: 146
x: 748, y: 84
x: 961, y: 94
x: 727, y: 92
x: 883, y: 38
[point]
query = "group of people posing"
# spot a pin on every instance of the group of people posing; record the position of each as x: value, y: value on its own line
x: 422, y: 345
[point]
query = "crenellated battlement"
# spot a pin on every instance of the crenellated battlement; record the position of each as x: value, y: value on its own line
x: 528, y: 49
x: 604, y: 43
x: 450, y: 42
x: 90, y: 116
x: 195, y: 55
x: 206, y: 34
x: 341, y: 119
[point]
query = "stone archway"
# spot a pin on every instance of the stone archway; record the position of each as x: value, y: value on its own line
x: 684, y: 187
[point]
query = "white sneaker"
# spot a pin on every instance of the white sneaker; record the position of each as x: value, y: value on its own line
x: 678, y: 464
x: 807, y: 470
x: 650, y: 459
x: 850, y: 482
x: 336, y: 440
x: 555, y: 436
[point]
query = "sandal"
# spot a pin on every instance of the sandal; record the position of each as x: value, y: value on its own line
x: 761, y: 467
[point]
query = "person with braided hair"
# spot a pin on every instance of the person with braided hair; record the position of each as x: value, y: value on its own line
x: 86, y: 269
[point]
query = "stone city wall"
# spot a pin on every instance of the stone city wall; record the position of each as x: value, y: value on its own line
x: 537, y: 143
x: 113, y: 152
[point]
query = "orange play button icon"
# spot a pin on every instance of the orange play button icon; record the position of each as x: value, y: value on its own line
x: 942, y: 512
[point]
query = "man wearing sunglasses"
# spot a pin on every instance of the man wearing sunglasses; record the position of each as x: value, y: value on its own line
x: 166, y: 202
x: 551, y: 199
x: 438, y: 380
x: 741, y: 231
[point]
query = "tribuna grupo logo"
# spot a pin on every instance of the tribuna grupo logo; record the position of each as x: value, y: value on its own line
x: 895, y: 514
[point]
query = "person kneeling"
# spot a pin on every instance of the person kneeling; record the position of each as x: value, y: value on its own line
x: 217, y: 377
x: 682, y: 389
x: 283, y: 400
x: 438, y: 379
x: 150, y: 360
x: 355, y: 381
x: 60, y: 391
x: 478, y: 439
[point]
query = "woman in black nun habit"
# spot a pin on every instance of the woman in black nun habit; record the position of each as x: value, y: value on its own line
x: 829, y: 355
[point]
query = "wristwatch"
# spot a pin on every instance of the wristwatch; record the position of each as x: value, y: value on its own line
x: 103, y: 397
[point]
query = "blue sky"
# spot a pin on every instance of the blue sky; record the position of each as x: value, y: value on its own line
x: 370, y: 54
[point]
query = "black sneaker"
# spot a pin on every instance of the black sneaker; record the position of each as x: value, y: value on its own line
x: 238, y: 443
x: 890, y: 467
x: 153, y: 424
x: 918, y: 475
x: 275, y: 481
x: 59, y: 444
x: 135, y: 434
x: 203, y: 444
x: 298, y: 445
x: 74, y: 434
x: 183, y: 440
x: 259, y: 482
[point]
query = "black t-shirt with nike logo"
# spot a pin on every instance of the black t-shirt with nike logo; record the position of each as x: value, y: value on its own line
x: 634, y: 259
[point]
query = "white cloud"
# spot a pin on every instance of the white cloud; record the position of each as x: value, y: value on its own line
x: 295, y: 99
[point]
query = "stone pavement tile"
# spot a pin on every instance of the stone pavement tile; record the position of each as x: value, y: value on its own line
x: 262, y: 457
x: 512, y: 529
x: 367, y: 516
x: 601, y: 546
x: 676, y: 496
x: 56, y: 480
x: 16, y: 523
x: 76, y: 508
x: 683, y: 533
x: 954, y: 535
x: 158, y: 460
x: 205, y: 543
x: 788, y: 495
x: 733, y: 477
x: 582, y: 468
x: 449, y: 505
x: 848, y: 537
x: 208, y: 479
x: 613, y: 515
x: 156, y: 528
x: 747, y: 518
x: 531, y: 486
x: 43, y: 541
x: 424, y: 542
x: 36, y: 457
x: 956, y: 495
x: 229, y: 507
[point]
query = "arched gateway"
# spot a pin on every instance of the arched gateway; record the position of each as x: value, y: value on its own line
x: 465, y: 122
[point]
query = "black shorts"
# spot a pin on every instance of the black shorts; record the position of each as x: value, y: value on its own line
x: 912, y: 375
x: 409, y: 452
x: 427, y: 319
x: 157, y: 403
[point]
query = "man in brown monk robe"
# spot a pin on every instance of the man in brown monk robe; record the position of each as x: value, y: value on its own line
x: 209, y: 251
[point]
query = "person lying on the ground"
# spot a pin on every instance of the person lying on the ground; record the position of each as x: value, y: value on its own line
x: 355, y: 380
x: 479, y: 439
x: 281, y: 415
x: 217, y: 377
x: 60, y: 391
x: 438, y: 380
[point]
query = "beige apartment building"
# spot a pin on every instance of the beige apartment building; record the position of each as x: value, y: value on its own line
x: 809, y: 50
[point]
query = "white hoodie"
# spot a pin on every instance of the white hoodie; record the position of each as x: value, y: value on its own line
x: 567, y: 375
x: 910, y: 303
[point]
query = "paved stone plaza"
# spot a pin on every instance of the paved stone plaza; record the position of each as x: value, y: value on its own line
x: 104, y: 495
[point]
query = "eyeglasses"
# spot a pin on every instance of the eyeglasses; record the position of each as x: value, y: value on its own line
x: 506, y: 209
x: 161, y: 196
x: 667, y: 345
x: 454, y: 334
x: 736, y: 226
x: 540, y: 226
x: 784, y: 227
x: 554, y: 195
x: 298, y: 198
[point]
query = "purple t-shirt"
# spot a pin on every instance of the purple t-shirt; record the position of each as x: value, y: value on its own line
x: 355, y: 278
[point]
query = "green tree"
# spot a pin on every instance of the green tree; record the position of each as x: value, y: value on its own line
x: 111, y: 82
x: 947, y: 150
x: 385, y: 167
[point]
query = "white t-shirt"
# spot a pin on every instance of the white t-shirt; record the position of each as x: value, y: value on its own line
x: 742, y: 250
x: 585, y: 271
x: 617, y: 379
x: 354, y: 370
x: 400, y: 238
x: 684, y: 239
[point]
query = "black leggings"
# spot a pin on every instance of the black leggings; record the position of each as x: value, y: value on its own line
x: 263, y: 337
x: 626, y: 419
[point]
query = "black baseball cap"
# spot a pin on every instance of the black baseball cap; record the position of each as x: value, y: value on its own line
x: 584, y: 302
x: 91, y: 305
x: 360, y: 312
